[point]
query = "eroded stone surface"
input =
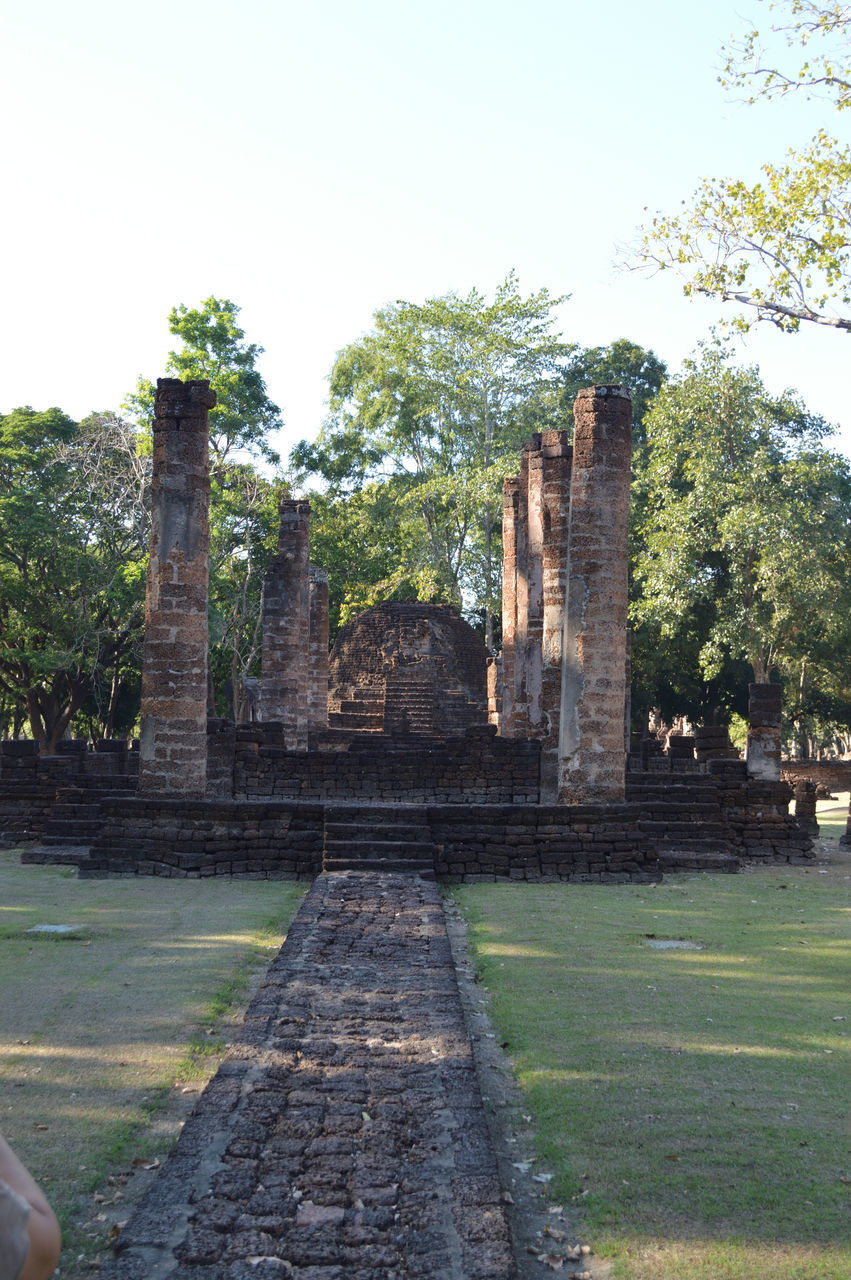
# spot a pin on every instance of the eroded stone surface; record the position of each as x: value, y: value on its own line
x: 344, y: 1135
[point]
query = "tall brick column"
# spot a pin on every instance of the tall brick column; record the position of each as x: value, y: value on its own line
x: 173, y: 739
x: 510, y: 515
x: 764, y: 716
x: 592, y: 755
x: 317, y: 687
x: 286, y: 635
x: 556, y: 460
x: 533, y: 471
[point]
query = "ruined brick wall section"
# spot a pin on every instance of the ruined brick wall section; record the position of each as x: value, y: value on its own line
x: 319, y: 630
x: 764, y: 717
x: 173, y: 739
x: 592, y: 755
x: 286, y: 627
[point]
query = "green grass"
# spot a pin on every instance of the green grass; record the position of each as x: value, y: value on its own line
x: 103, y: 1029
x: 690, y: 1103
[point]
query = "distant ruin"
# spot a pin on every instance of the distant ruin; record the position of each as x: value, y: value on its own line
x: 409, y: 747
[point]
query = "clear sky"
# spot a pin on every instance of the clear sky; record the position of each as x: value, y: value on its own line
x: 313, y: 161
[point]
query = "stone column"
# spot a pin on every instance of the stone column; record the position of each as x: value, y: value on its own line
x: 519, y: 694
x: 764, y: 716
x: 592, y: 756
x: 805, y: 807
x: 317, y: 689
x: 532, y: 658
x: 556, y: 457
x: 286, y: 636
x: 845, y: 840
x: 173, y: 738
x: 510, y: 509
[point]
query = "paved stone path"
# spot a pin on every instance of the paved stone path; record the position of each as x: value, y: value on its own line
x: 344, y: 1136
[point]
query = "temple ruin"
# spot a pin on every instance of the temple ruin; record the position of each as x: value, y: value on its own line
x: 409, y: 747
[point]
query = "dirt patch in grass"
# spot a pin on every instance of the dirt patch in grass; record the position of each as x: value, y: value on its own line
x: 107, y: 1033
x: 688, y: 1103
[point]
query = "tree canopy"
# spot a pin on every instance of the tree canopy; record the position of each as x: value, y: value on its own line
x: 214, y: 347
x: 780, y: 247
x: 434, y: 403
x: 747, y: 528
x: 73, y: 547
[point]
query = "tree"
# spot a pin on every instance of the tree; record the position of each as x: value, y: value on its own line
x: 243, y: 538
x: 747, y: 536
x: 214, y: 347
x: 622, y: 362
x: 435, y: 400
x: 73, y: 542
x: 780, y: 247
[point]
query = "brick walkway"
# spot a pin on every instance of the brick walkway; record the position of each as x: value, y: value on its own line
x: 344, y: 1136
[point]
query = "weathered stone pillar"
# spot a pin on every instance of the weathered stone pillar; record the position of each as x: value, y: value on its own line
x: 845, y: 840
x: 286, y: 634
x: 519, y: 725
x: 317, y: 689
x: 510, y: 511
x: 173, y: 738
x: 556, y: 458
x: 805, y: 807
x: 494, y: 674
x: 533, y: 726
x: 592, y: 756
x: 764, y: 717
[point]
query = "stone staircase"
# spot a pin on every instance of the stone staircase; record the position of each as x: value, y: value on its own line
x: 683, y: 820
x: 378, y: 838
x: 409, y: 705
x: 363, y: 711
x: 72, y: 827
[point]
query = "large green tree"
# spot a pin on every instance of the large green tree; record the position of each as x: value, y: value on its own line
x: 747, y: 530
x: 780, y: 248
x: 73, y: 543
x: 435, y: 401
x: 214, y: 347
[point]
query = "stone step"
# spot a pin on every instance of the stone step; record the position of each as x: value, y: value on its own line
x: 342, y: 720
x: 410, y: 865
x: 360, y: 831
x: 657, y: 809
x: 362, y: 706
x: 66, y: 855
x: 695, y: 859
x: 381, y: 850
x: 668, y: 830
x: 375, y: 816
x: 74, y: 809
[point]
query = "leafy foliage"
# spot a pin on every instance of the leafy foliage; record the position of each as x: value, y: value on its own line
x: 780, y: 247
x: 73, y: 541
x: 435, y: 403
x: 214, y: 347
x: 747, y: 533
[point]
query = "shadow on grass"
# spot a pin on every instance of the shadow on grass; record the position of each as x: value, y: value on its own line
x: 681, y: 1095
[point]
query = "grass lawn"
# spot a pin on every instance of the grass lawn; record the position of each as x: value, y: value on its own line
x: 690, y: 1102
x: 106, y: 1030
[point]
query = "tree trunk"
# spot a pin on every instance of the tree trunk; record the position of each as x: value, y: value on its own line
x: 109, y: 724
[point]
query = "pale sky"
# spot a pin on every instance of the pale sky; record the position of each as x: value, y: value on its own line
x: 313, y: 162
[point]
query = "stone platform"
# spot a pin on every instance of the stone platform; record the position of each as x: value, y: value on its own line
x: 344, y: 1136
